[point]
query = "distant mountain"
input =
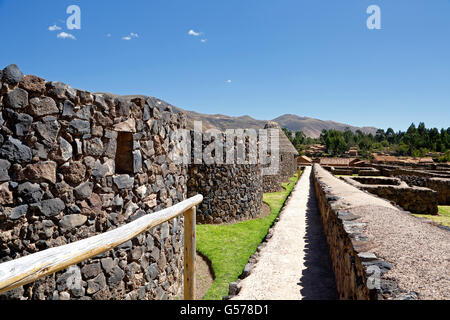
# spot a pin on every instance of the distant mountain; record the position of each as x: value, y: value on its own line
x: 311, y: 127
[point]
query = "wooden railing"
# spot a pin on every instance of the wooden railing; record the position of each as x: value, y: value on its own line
x: 30, y: 268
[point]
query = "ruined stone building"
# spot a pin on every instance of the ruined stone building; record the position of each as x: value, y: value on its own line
x: 74, y: 164
x: 287, y: 161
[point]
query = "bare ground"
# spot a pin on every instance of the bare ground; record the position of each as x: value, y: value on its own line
x: 203, y: 277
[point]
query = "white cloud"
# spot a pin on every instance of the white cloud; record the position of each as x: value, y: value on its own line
x: 193, y: 33
x: 132, y: 35
x: 203, y: 40
x: 108, y: 35
x: 65, y: 35
x: 229, y: 81
x: 54, y: 28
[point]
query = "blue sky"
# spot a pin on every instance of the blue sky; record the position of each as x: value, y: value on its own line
x: 310, y: 58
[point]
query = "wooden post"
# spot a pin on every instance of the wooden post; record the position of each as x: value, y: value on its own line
x: 299, y: 172
x: 189, y: 253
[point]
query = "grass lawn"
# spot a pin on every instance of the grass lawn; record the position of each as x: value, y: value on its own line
x: 229, y: 247
x: 443, y: 217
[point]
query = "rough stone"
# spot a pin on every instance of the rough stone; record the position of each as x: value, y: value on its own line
x: 48, y: 129
x: 68, y: 109
x: 75, y: 172
x: 16, y: 99
x: 6, y: 196
x: 17, y: 212
x: 23, y: 124
x: 41, y: 171
x: 72, y: 221
x: 30, y: 192
x: 116, y: 276
x: 126, y: 126
x: 107, y: 264
x: 43, y: 106
x: 80, y: 126
x: 4, y: 167
x: 61, y: 91
x: 33, y: 84
x: 65, y: 149
x: 83, y: 191
x: 123, y: 181
x: 50, y: 207
x: 91, y: 270
x: 151, y: 272
x: 71, y: 280
x: 96, y: 284
x: 94, y: 147
x: 12, y: 74
x: 15, y: 151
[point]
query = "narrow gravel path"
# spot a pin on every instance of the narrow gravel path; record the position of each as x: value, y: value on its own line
x: 295, y: 264
x: 418, y: 251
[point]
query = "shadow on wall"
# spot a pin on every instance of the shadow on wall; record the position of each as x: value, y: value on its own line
x: 317, y: 281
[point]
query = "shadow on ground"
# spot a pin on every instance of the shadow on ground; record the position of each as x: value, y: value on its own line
x: 317, y: 281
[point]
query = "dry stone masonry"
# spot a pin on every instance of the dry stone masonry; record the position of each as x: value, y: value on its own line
x: 415, y: 199
x: 74, y: 164
x: 357, y: 270
x: 287, y: 161
x: 231, y: 192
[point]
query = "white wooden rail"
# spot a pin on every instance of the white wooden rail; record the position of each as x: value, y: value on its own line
x: 30, y: 268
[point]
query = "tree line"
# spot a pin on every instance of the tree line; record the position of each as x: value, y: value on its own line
x: 416, y: 141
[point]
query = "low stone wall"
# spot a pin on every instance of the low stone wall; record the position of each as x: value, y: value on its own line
x: 378, y: 181
x: 419, y: 171
x: 413, y: 199
x: 369, y: 172
x: 343, y: 234
x: 356, y: 270
x: 348, y: 171
x: 440, y: 185
x: 75, y: 164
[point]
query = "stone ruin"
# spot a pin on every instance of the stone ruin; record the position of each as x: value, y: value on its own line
x: 434, y: 177
x: 74, y: 164
x: 414, y: 199
x: 287, y: 161
x: 232, y: 192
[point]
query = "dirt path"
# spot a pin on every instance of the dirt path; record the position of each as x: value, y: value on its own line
x: 295, y: 264
x: 203, y: 278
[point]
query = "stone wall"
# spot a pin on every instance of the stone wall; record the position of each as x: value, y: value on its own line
x: 419, y: 171
x: 288, y: 165
x: 413, y: 199
x: 75, y: 164
x: 271, y: 183
x: 231, y: 192
x: 342, y: 235
x: 440, y: 185
x: 348, y: 242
